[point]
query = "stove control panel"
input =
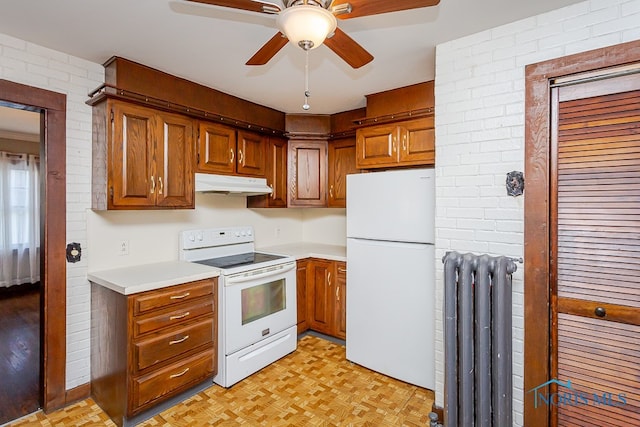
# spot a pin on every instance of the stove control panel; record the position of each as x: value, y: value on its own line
x: 212, y: 237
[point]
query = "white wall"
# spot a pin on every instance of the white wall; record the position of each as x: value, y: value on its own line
x: 480, y: 137
x: 153, y: 235
x: 327, y: 226
x: 29, y: 64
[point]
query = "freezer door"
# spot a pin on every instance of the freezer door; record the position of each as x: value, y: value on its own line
x: 392, y: 205
x: 390, y: 309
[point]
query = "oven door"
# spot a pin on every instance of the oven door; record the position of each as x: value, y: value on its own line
x: 258, y: 304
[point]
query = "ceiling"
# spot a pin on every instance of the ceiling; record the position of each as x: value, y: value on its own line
x: 210, y: 45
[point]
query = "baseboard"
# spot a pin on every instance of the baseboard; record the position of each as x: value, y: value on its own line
x: 76, y: 394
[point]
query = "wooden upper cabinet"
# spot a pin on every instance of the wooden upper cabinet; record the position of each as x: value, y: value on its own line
x: 276, y: 174
x: 174, y: 161
x: 307, y: 162
x: 342, y: 162
x: 149, y: 161
x: 225, y: 150
x: 417, y: 142
x: 251, y: 159
x: 405, y: 143
x: 131, y: 166
x: 216, y: 148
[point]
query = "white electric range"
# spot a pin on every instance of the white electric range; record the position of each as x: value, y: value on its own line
x: 257, y: 312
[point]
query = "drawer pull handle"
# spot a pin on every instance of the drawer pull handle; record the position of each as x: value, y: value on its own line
x: 179, y: 316
x: 342, y: 270
x: 186, y: 294
x: 183, y: 339
x: 179, y: 374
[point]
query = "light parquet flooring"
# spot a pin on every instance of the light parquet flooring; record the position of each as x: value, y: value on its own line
x: 314, y: 386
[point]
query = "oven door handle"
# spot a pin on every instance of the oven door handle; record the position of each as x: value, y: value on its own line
x: 247, y: 278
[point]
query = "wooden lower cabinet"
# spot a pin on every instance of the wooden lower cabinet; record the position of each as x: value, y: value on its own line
x: 324, y: 303
x: 150, y: 346
x: 301, y: 294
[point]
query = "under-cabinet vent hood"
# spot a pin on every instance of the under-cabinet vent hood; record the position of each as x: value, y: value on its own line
x: 227, y: 184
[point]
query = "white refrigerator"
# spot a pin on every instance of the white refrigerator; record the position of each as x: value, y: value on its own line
x: 390, y: 273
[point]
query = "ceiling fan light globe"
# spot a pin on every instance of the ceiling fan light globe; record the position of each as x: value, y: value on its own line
x: 306, y: 23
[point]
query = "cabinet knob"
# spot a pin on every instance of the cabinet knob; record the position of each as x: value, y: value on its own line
x: 241, y: 157
x: 160, y: 185
x: 153, y: 185
x: 329, y: 278
x: 232, y: 155
x: 331, y: 191
x: 600, y: 312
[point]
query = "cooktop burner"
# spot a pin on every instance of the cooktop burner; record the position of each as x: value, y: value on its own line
x: 239, y: 260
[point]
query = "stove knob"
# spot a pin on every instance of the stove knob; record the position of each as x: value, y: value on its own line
x: 237, y: 234
x: 200, y: 237
x: 249, y: 232
x: 192, y: 237
x: 243, y: 233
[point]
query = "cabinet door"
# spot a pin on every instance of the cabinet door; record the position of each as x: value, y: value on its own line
x: 342, y: 162
x: 216, y: 149
x: 251, y: 158
x: 301, y: 294
x: 276, y: 176
x: 131, y: 177
x: 377, y: 146
x: 174, y: 161
x: 341, y: 301
x: 417, y: 142
x: 307, y: 173
x: 321, y: 295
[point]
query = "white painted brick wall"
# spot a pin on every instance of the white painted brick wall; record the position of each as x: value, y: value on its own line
x: 480, y: 96
x: 33, y: 65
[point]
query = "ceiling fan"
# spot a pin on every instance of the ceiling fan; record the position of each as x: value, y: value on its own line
x: 310, y: 23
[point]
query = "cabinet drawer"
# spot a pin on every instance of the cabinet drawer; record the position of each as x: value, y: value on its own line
x: 152, y: 300
x: 179, y: 314
x: 171, y: 379
x: 159, y: 348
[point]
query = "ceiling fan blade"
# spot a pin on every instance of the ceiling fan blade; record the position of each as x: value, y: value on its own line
x: 375, y: 7
x: 348, y: 49
x: 251, y: 5
x: 268, y: 50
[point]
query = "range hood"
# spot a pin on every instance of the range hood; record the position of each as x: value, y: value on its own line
x: 228, y: 184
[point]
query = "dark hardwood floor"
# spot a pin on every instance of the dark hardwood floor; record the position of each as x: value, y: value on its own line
x: 19, y: 351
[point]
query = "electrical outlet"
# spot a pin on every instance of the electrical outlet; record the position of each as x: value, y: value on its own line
x: 124, y: 247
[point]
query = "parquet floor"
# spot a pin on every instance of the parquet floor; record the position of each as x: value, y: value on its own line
x: 314, y: 386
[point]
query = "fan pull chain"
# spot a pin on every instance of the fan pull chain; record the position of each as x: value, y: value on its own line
x: 307, y: 94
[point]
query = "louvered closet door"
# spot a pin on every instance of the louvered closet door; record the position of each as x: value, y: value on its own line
x: 596, y: 200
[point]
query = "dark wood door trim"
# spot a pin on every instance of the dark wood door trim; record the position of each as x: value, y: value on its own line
x: 53, y: 107
x: 537, y: 327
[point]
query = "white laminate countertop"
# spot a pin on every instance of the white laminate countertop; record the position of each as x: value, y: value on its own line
x: 148, y: 277
x: 302, y: 250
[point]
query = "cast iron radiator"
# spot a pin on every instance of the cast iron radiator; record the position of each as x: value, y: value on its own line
x: 477, y: 340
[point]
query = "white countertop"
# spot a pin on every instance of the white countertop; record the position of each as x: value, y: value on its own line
x: 147, y: 277
x: 302, y: 250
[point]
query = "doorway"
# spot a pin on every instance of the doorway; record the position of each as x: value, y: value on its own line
x: 52, y: 109
x: 20, y: 272
x: 572, y: 215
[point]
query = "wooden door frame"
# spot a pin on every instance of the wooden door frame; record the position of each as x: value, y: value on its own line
x: 53, y: 275
x: 537, y: 220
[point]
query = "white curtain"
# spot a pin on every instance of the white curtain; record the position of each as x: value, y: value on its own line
x: 19, y: 219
